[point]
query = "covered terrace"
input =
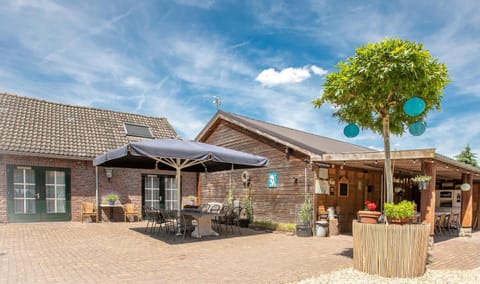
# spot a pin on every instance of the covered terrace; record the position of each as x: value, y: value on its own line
x: 421, y: 162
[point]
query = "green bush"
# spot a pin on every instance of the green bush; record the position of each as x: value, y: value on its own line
x: 274, y: 226
x: 402, y: 210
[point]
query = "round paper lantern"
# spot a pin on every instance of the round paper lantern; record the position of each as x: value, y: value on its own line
x: 417, y: 128
x: 351, y: 130
x: 414, y: 106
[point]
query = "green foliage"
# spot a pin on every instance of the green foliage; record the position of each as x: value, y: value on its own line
x: 191, y: 198
x: 404, y: 209
x: 274, y: 226
x: 421, y: 178
x: 371, y: 87
x: 247, y: 206
x: 111, y: 197
x: 230, y: 197
x: 306, y: 211
x: 377, y: 81
x: 467, y: 157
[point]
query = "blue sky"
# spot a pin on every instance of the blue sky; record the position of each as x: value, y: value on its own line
x: 264, y: 59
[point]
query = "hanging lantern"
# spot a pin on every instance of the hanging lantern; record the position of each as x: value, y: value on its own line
x: 351, y: 130
x: 414, y: 106
x: 417, y: 128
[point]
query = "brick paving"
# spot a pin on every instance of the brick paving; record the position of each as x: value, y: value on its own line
x: 72, y: 252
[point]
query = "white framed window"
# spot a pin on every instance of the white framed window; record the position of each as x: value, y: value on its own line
x: 152, y: 191
x: 55, y: 191
x: 24, y: 189
x: 171, y: 193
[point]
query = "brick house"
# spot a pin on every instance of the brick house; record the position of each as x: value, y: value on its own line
x: 332, y: 172
x: 46, y: 153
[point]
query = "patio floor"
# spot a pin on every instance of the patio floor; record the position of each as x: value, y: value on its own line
x: 72, y: 252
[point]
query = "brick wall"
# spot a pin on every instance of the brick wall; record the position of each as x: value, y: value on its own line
x: 126, y: 182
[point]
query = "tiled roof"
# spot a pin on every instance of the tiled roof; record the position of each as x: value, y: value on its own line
x: 304, y: 141
x: 37, y: 127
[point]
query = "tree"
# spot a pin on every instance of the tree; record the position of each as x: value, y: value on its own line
x: 371, y: 87
x: 467, y: 156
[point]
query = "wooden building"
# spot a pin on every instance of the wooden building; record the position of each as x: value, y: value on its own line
x: 332, y: 173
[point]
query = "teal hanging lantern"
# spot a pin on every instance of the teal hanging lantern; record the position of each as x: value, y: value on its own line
x: 351, y: 130
x: 414, y: 106
x: 417, y: 128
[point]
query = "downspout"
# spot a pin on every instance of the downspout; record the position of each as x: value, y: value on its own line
x: 96, y: 191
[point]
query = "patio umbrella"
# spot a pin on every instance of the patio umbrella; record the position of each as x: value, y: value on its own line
x: 178, y: 155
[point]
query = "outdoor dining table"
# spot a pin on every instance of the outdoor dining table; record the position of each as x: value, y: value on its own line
x: 204, y: 223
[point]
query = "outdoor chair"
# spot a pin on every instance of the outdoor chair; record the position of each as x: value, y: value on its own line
x: 454, y: 224
x: 164, y: 221
x: 88, y: 210
x: 186, y: 224
x: 130, y: 209
x: 439, y: 224
x: 150, y: 216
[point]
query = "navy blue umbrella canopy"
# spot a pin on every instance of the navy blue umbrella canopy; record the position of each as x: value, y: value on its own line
x: 178, y: 155
x: 172, y: 154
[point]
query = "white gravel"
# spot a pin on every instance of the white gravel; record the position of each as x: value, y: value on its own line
x: 350, y: 275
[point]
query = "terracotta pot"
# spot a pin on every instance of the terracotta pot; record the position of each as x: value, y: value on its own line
x: 368, y: 217
x: 398, y: 221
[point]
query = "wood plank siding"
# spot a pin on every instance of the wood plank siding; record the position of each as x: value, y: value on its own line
x: 278, y: 205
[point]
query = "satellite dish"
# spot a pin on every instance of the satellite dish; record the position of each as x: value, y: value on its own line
x: 351, y: 130
x: 417, y: 128
x: 414, y: 106
x: 465, y: 187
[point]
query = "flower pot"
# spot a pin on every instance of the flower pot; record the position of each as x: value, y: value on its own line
x: 304, y: 230
x: 111, y: 202
x: 243, y: 223
x: 398, y: 221
x: 423, y: 185
x: 368, y: 217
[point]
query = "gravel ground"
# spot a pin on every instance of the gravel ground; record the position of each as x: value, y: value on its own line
x: 350, y: 275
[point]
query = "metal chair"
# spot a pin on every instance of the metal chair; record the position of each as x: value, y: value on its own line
x: 185, y: 223
x: 150, y: 217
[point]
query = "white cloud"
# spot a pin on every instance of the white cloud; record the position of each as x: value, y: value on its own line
x: 271, y: 77
x: 318, y: 70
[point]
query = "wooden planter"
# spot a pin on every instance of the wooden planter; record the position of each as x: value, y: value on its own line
x: 390, y: 251
x: 368, y: 217
x: 398, y: 221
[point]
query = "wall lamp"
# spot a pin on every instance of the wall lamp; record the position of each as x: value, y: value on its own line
x: 109, y: 173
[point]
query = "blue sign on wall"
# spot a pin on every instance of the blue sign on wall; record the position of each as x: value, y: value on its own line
x: 272, y: 179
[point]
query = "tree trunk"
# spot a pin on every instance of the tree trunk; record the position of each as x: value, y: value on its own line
x: 388, y: 161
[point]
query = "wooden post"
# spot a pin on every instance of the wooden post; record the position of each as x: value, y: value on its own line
x: 427, y: 198
x: 467, y: 208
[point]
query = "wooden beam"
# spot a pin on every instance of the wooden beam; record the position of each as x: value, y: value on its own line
x: 372, y: 156
x: 427, y: 198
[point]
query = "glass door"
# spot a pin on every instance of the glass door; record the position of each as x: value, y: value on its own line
x: 159, y: 191
x: 38, y: 194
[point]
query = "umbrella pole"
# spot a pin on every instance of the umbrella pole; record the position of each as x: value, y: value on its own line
x: 179, y: 201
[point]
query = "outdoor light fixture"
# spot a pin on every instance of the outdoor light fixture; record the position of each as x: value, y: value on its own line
x: 109, y: 173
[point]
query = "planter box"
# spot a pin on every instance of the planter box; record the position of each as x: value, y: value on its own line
x: 304, y: 231
x: 390, y: 251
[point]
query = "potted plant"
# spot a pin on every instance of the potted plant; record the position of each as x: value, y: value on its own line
x: 191, y: 199
x: 304, y: 228
x: 399, y: 213
x: 246, y: 213
x: 111, y: 198
x: 368, y: 215
x: 422, y: 181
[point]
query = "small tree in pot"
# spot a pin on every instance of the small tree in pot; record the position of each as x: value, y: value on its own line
x: 304, y: 228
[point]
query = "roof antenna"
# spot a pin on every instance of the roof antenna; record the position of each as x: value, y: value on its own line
x: 217, y: 101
